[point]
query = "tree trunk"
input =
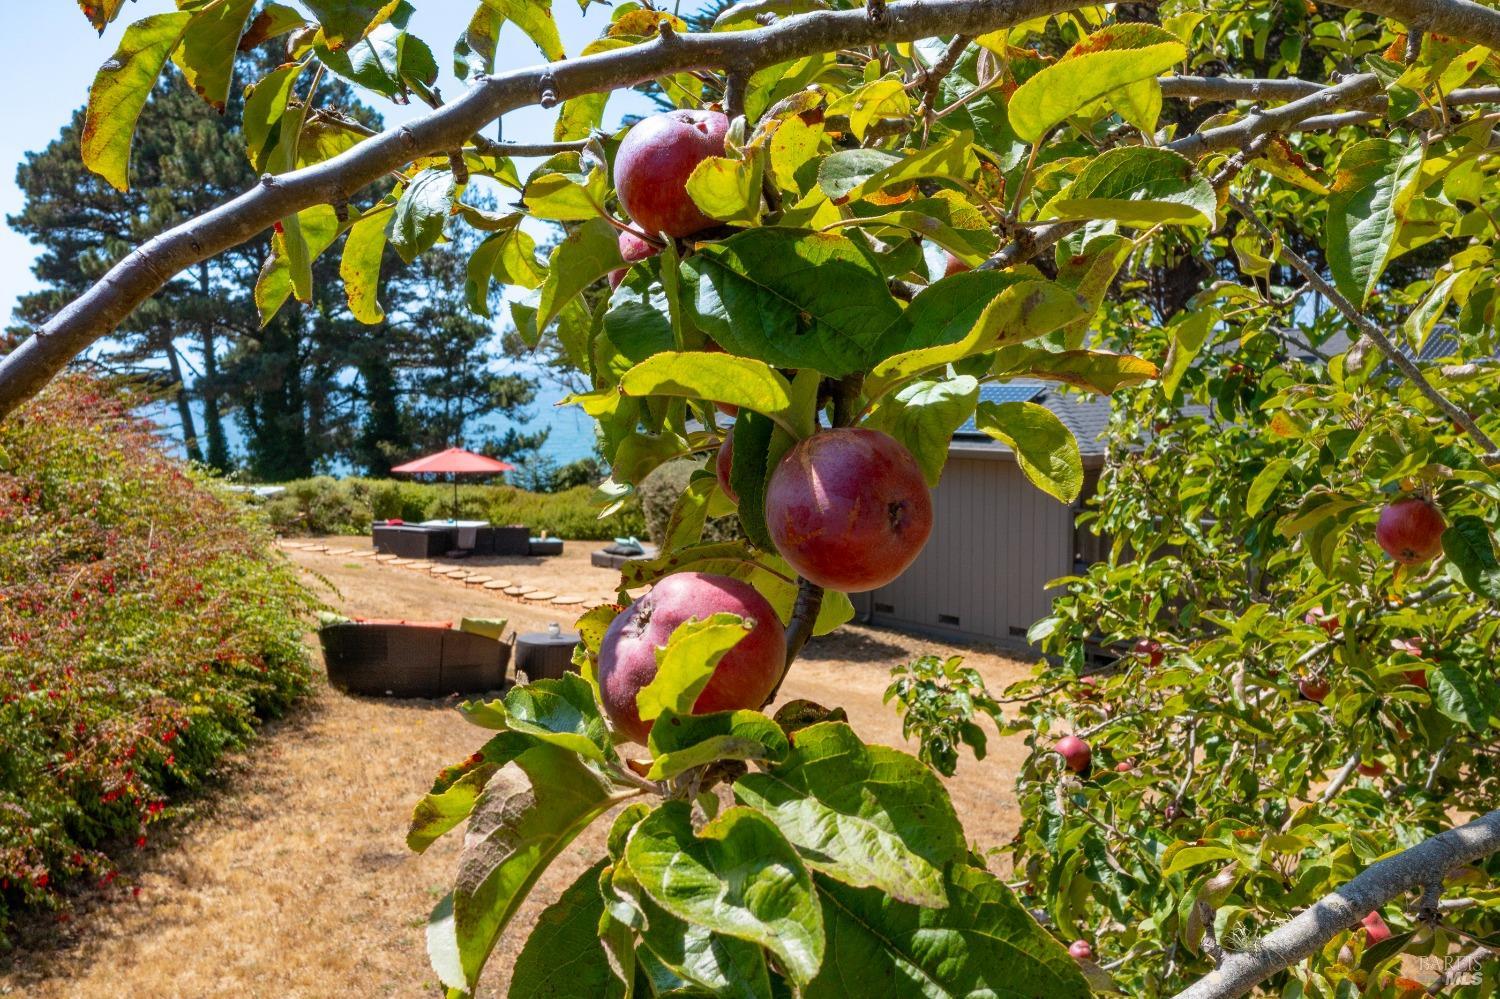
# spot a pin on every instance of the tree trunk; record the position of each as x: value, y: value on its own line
x: 208, y: 389
x: 184, y: 406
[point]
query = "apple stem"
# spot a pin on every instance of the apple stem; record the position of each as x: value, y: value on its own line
x: 799, y: 630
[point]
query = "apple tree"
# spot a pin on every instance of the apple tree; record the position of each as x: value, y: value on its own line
x: 853, y: 217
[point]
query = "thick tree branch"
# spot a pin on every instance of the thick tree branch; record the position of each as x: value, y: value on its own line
x: 1310, y: 930
x: 1461, y: 18
x: 1377, y: 336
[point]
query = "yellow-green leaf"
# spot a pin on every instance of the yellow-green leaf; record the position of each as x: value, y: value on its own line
x: 739, y: 381
x: 1137, y: 186
x: 1045, y: 449
x: 120, y: 91
x: 209, y: 46
x: 360, y: 266
x: 685, y: 665
x: 728, y: 189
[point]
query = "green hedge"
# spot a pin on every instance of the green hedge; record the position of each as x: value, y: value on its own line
x: 145, y: 626
x: 326, y: 505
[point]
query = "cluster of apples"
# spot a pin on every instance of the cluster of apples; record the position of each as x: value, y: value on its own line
x: 848, y: 507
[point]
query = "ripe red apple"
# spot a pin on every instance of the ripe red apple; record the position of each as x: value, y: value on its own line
x: 1372, y: 769
x: 953, y: 265
x: 653, y: 164
x: 1088, y: 688
x: 1079, y: 950
x: 723, y: 461
x: 632, y: 248
x: 1124, y: 767
x: 1375, y: 928
x: 1075, y: 752
x: 745, y: 676
x: 1319, y: 618
x: 1411, y: 530
x: 849, y: 509
x: 1416, y: 677
x: 1314, y: 688
x: 1151, y: 651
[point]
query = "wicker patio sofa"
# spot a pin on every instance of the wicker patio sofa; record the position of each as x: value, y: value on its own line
x: 399, y: 659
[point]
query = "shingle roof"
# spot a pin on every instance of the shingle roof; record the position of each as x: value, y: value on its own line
x: 1086, y: 415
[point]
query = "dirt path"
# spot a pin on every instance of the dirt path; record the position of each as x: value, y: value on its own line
x: 295, y: 882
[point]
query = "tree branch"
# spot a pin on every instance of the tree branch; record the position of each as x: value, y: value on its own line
x: 1368, y: 327
x: 1378, y: 884
x: 1461, y: 18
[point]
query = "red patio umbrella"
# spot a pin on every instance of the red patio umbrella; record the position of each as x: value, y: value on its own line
x: 456, y: 461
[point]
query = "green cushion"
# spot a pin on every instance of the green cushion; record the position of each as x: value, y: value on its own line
x: 489, y: 627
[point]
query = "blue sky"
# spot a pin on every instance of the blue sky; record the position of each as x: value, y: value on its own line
x: 51, y: 54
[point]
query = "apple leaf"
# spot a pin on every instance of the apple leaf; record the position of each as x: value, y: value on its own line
x: 1189, y: 333
x: 1139, y: 186
x: 945, y: 219
x: 1045, y: 449
x: 1263, y: 486
x: 792, y: 298
x: 563, y: 955
x: 422, y: 212
x: 360, y: 266
x: 680, y: 742
x: 1468, y: 545
x: 561, y: 712
x: 288, y: 270
x: 737, y: 876
x: 265, y: 106
x: 507, y: 256
x: 209, y: 47
x: 923, y: 416
x: 758, y: 448
x: 1102, y: 65
x: 1456, y: 694
x: 584, y: 256
x: 868, y: 816
x: 120, y: 91
x: 850, y: 174
x: 1373, y: 187
x: 345, y: 22
x: 687, y: 662
x: 1092, y: 370
x: 728, y: 189
x: 740, y: 381
x: 534, y: 18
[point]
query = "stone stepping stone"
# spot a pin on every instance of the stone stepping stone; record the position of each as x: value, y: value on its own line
x: 340, y: 551
x: 438, y: 569
x: 497, y: 584
x: 592, y: 604
x: 539, y: 595
x: 477, y: 579
x: 519, y: 591
x: 386, y: 557
x: 315, y: 548
x: 459, y: 574
x: 399, y: 561
x: 420, y: 565
x: 363, y: 553
x: 567, y: 599
x: 293, y: 545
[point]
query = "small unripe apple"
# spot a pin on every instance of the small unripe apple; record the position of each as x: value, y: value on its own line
x: 1319, y: 618
x: 1150, y: 650
x: 744, y: 678
x: 632, y: 248
x: 1374, y: 769
x: 952, y: 265
x: 1079, y: 950
x: 1075, y: 753
x: 848, y: 509
x: 1124, y: 767
x: 723, y: 462
x: 1314, y: 688
x: 1411, y: 530
x: 653, y: 164
x: 1375, y: 928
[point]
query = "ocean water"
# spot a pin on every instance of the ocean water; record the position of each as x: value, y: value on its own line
x: 570, y: 431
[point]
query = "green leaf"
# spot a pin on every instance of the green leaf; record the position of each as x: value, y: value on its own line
x: 728, y: 189
x: 347, y: 21
x: 1092, y: 370
x: 265, y: 106
x: 739, y: 877
x: 923, y: 415
x: 965, y: 315
x: 288, y: 270
x: 1104, y: 63
x: 1189, y: 333
x: 561, y: 712
x: 639, y: 454
x: 686, y: 663
x: 1044, y: 447
x: 793, y: 299
x: 758, y: 447
x: 440, y: 811
x: 509, y: 257
x: 389, y: 61
x: 534, y: 18
x: 422, y: 212
x: 1139, y: 186
x: 945, y: 219
x: 680, y: 742
x: 850, y: 174
x: 1181, y: 856
x: 360, y: 266
x: 868, y: 816
x: 690, y: 512
x: 120, y: 91
x: 1456, y: 694
x: 740, y: 381
x: 563, y: 957
x: 584, y: 256
x: 1468, y: 545
x: 566, y: 197
x: 1264, y: 485
x: 1373, y: 187
x: 532, y: 809
x: 209, y: 47
x: 982, y: 943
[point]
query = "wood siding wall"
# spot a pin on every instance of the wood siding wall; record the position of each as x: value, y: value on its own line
x: 996, y: 541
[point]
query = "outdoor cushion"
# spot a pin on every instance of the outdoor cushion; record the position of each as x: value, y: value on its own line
x: 397, y: 620
x: 489, y: 627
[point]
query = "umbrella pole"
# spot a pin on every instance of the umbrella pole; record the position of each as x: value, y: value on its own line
x: 455, y: 497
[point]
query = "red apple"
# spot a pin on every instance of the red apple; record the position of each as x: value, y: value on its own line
x: 1079, y: 950
x: 1319, y: 618
x: 1375, y: 928
x: 1151, y: 651
x: 1088, y: 688
x: 1124, y: 767
x: 1314, y: 688
x: 632, y: 248
x: 1372, y: 769
x: 848, y: 509
x: 723, y: 461
x: 1411, y: 530
x: 953, y: 265
x: 1075, y: 753
x: 653, y: 164
x: 745, y: 676
x: 1416, y: 677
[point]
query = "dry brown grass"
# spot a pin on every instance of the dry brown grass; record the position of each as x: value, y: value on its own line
x: 295, y: 880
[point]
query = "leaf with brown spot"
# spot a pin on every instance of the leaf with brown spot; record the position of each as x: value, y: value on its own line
x: 120, y: 91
